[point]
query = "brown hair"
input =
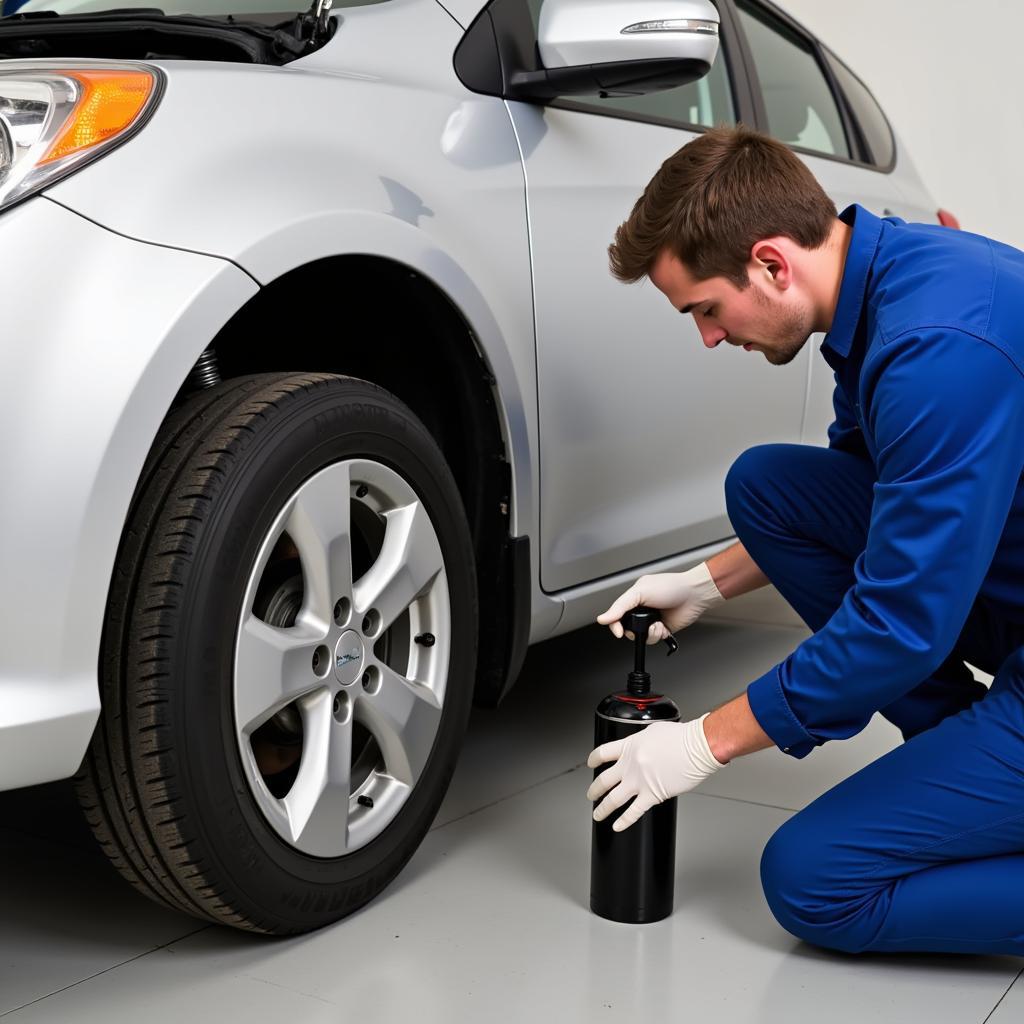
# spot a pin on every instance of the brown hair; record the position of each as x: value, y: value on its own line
x: 713, y: 199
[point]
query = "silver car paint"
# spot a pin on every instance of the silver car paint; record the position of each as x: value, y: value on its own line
x: 574, y: 32
x: 462, y: 11
x: 96, y: 329
x: 271, y: 168
x: 370, y: 145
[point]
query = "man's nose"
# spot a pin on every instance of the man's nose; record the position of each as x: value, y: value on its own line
x: 711, y: 336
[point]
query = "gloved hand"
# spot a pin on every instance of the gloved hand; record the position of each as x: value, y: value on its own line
x: 653, y: 764
x: 683, y: 597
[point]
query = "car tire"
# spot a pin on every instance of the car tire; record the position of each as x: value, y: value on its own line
x: 231, y: 579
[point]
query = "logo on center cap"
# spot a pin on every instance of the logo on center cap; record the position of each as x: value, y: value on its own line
x: 348, y: 657
x: 344, y: 659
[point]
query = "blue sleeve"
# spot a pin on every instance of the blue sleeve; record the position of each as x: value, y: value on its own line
x: 844, y: 434
x: 946, y: 413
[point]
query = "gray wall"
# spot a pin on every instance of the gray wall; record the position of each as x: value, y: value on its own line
x: 949, y: 78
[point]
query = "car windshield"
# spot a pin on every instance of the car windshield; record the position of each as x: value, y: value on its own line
x: 200, y: 8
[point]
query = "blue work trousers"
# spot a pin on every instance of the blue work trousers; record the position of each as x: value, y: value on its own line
x: 923, y: 849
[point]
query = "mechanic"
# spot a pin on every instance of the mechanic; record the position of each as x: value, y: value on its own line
x: 900, y: 545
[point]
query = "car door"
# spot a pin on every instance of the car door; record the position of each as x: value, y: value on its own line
x: 805, y: 96
x: 639, y: 422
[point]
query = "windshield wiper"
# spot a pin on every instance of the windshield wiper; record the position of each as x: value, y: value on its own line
x: 25, y: 15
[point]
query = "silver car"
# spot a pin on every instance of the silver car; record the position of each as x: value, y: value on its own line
x: 320, y: 403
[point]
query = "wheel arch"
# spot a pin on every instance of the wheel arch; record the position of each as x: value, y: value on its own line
x: 399, y: 329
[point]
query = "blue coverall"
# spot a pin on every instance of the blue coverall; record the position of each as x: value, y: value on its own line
x: 901, y: 545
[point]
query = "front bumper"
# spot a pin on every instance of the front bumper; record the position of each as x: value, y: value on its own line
x: 97, y: 333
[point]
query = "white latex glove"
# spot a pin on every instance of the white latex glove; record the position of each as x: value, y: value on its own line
x: 653, y: 764
x: 682, y: 596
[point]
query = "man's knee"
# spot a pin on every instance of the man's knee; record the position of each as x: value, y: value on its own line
x: 807, y: 892
x: 783, y: 881
x: 750, y: 479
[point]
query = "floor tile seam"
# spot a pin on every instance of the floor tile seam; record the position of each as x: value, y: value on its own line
x: 583, y: 764
x: 289, y: 988
x: 106, y: 970
x: 741, y: 800
x: 1003, y: 996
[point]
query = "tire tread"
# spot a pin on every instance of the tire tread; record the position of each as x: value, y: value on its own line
x: 127, y: 782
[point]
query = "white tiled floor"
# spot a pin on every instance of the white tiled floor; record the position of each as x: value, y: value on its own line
x: 490, y: 920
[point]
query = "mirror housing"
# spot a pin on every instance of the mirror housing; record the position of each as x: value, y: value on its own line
x: 619, y: 47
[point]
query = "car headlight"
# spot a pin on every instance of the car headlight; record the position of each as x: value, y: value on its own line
x: 53, y: 121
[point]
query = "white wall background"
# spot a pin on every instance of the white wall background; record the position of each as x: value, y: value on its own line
x: 950, y: 78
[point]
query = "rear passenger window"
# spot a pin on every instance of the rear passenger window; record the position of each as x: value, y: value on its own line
x: 873, y: 125
x: 799, y: 104
x: 706, y: 102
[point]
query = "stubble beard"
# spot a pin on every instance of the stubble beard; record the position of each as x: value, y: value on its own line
x: 789, y: 333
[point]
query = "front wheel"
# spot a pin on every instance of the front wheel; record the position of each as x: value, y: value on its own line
x: 289, y: 654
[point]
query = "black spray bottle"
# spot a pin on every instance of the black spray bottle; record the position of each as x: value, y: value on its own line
x: 632, y: 873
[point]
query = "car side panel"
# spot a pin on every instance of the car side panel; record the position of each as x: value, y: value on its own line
x: 640, y: 420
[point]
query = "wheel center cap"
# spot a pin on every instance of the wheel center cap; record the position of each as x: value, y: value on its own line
x: 348, y: 657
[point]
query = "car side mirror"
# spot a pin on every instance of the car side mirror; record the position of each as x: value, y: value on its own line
x: 619, y: 47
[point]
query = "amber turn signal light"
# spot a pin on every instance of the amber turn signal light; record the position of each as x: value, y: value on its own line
x: 109, y: 102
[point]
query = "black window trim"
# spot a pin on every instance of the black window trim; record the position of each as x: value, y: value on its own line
x: 828, y: 52
x: 854, y: 133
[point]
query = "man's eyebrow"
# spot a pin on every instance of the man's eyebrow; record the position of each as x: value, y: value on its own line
x: 686, y: 309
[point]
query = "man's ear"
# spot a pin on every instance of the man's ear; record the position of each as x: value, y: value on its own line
x: 768, y: 260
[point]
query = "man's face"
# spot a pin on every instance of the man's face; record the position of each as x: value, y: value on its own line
x: 759, y: 317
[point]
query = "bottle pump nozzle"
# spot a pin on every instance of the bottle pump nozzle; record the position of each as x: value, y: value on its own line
x: 638, y: 621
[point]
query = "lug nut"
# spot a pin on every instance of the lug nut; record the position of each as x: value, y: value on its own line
x: 321, y: 659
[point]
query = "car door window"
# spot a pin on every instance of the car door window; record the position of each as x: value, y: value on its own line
x: 872, y: 122
x: 798, y: 102
x: 706, y: 102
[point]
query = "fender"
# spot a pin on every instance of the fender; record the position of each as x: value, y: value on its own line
x: 93, y: 354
